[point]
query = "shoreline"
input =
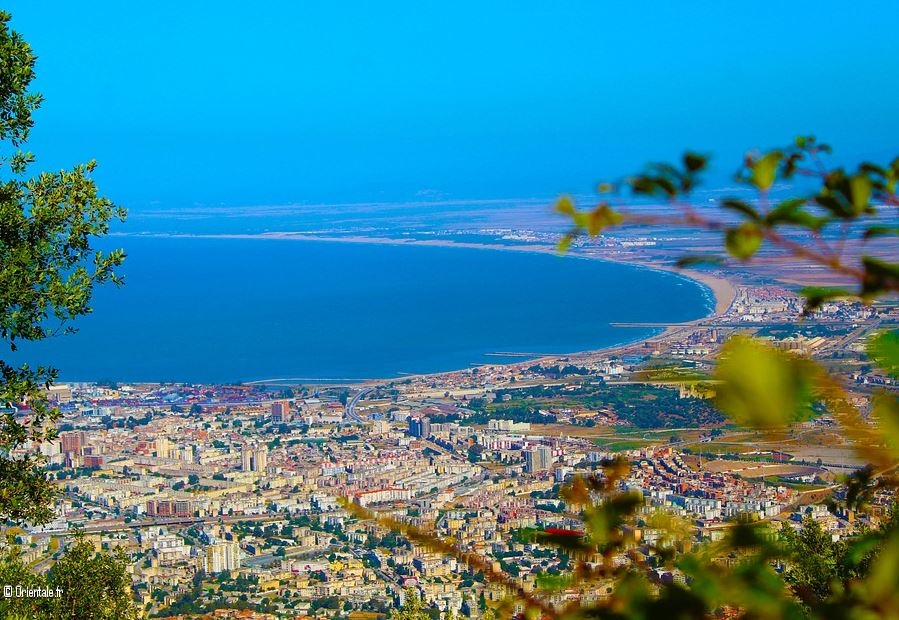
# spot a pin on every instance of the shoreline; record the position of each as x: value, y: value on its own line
x: 721, y: 290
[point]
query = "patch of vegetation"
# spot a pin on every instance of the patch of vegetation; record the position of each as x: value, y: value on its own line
x: 640, y: 405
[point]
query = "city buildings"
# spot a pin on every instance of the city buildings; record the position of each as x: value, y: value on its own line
x: 420, y: 427
x: 537, y: 459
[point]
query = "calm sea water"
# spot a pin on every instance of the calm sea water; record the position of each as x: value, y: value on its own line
x: 221, y: 310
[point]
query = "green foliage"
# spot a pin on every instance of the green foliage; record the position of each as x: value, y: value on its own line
x: 86, y: 585
x: 760, y: 569
x: 743, y: 241
x: 762, y: 387
x: 884, y: 351
x: 412, y: 609
x: 644, y: 406
x: 815, y: 562
x: 48, y: 270
x: 842, y: 197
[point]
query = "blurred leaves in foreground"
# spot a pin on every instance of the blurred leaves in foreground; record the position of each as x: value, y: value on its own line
x: 759, y: 569
x: 813, y: 227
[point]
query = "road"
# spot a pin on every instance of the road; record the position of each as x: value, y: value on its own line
x: 45, y: 563
x: 842, y: 342
x: 120, y: 526
x: 350, y: 412
x: 299, y: 554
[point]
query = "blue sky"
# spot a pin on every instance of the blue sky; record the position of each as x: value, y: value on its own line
x: 188, y: 103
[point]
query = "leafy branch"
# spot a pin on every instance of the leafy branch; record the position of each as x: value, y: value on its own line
x: 840, y: 200
x: 767, y: 571
x: 48, y: 271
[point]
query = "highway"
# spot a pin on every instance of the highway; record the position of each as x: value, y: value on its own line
x: 350, y: 411
x: 297, y: 554
x: 121, y: 526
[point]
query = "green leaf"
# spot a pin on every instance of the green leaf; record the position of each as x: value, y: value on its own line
x: 747, y: 534
x: 741, y: 207
x: 885, y: 410
x: 695, y: 162
x: 880, y: 276
x: 601, y: 218
x: 872, y: 169
x: 565, y: 242
x: 791, y: 164
x: 666, y: 187
x: 570, y: 540
x: 744, y: 241
x: 880, y: 231
x: 860, y: 190
x: 565, y: 206
x: 763, y: 387
x: 790, y: 212
x: 860, y: 547
x: 883, y: 349
x: 834, y: 205
x: 653, y: 186
x: 817, y: 295
x: 880, y: 584
x: 764, y: 170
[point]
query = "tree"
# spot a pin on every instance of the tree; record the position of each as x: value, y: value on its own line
x: 47, y: 273
x: 105, y: 594
x: 412, y: 609
x: 814, y: 562
x: 86, y: 585
x: 48, y: 270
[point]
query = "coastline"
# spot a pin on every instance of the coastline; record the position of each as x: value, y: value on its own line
x: 722, y: 291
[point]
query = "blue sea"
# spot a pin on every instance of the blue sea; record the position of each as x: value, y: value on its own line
x: 206, y: 309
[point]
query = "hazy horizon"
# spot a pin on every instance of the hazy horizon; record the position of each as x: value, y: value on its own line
x: 292, y: 103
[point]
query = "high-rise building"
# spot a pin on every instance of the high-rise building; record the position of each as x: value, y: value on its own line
x: 72, y: 443
x: 538, y: 459
x: 260, y: 459
x: 415, y: 427
x: 281, y: 411
x: 222, y: 556
x: 170, y: 508
x: 420, y: 427
x: 380, y: 427
x: 162, y: 447
x: 254, y: 459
